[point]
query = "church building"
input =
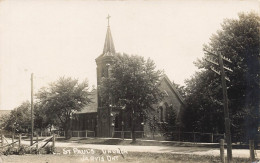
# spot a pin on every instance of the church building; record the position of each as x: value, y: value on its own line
x: 109, y: 121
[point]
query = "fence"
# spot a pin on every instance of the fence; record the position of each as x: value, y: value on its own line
x: 85, y: 133
x: 194, y: 137
x: 128, y: 134
x: 11, y: 143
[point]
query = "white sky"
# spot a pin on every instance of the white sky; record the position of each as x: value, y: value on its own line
x: 63, y: 38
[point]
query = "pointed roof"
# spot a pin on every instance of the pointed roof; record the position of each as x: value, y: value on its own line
x: 109, y: 48
x: 109, y: 44
x: 173, y: 88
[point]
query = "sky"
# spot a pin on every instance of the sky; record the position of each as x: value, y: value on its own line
x: 64, y: 37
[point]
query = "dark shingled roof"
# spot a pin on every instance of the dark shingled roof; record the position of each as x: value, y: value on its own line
x: 91, y: 107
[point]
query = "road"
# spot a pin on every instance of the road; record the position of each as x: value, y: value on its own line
x: 239, y: 153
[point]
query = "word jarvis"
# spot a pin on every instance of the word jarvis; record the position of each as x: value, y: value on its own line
x: 99, y: 158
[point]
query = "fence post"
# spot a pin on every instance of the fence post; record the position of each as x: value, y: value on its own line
x: 86, y: 133
x: 252, y: 150
x: 53, y: 142
x: 2, y: 139
x: 222, y: 154
x: 19, y: 141
x: 211, y: 138
x: 37, y: 141
x: 13, y: 140
x: 179, y: 134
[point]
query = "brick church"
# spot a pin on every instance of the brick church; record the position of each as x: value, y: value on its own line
x: 111, y: 121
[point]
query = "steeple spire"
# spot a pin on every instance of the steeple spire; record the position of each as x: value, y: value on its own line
x: 109, y: 44
x: 108, y: 17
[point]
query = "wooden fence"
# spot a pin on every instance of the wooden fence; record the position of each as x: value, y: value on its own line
x: 85, y: 133
x: 16, y: 141
x: 128, y: 134
x: 194, y: 137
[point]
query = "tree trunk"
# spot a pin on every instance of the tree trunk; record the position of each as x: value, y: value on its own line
x: 67, y: 129
x: 133, y: 126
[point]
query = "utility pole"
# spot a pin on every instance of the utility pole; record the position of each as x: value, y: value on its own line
x: 226, y: 111
x: 32, y: 109
x: 225, y: 99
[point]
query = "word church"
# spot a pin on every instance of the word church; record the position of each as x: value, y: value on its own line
x: 100, y: 121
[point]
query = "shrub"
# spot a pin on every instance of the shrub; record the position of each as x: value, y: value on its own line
x: 49, y: 149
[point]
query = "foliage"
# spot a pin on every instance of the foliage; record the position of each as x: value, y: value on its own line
x: 239, y: 41
x: 19, y: 118
x: 170, y: 120
x: 42, y: 119
x: 180, y: 89
x: 134, y: 83
x: 49, y: 149
x: 61, y: 100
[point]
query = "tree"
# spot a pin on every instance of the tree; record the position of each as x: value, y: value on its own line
x: 180, y: 88
x: 133, y: 81
x: 42, y: 119
x: 239, y: 41
x: 62, y: 99
x: 19, y: 119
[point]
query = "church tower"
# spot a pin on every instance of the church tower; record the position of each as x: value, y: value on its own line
x: 104, y: 120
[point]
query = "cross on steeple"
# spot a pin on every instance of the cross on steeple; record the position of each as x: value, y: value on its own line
x: 108, y: 17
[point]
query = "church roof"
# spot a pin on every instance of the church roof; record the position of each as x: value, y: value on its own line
x: 109, y: 48
x: 92, y: 106
x: 109, y: 44
x: 172, y: 87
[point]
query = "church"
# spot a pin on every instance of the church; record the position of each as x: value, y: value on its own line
x: 114, y: 122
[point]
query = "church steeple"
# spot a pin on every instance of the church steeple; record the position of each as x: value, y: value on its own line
x: 109, y: 44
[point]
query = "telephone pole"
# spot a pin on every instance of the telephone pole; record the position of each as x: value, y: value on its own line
x: 32, y: 109
x: 226, y: 111
x: 225, y: 99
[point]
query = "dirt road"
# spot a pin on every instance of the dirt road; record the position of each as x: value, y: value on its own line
x: 239, y: 153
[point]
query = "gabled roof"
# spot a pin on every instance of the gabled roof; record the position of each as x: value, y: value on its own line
x: 173, y: 88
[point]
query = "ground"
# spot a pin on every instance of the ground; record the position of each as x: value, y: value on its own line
x: 99, y: 150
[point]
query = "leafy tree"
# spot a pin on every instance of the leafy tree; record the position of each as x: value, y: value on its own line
x: 19, y: 119
x: 180, y: 88
x: 133, y: 81
x: 42, y: 119
x: 170, y: 120
x: 239, y: 41
x: 61, y: 100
